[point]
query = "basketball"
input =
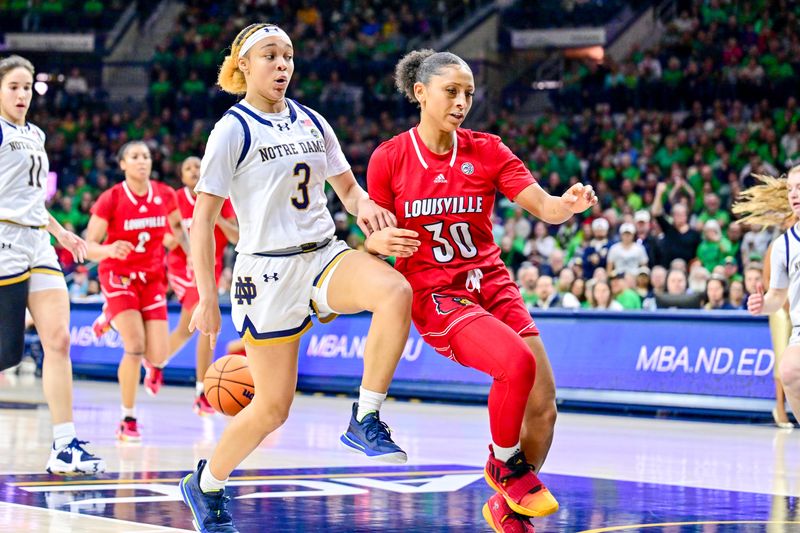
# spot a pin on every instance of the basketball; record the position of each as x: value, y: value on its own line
x: 228, y: 384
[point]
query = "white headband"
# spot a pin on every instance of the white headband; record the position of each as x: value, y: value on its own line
x: 263, y: 33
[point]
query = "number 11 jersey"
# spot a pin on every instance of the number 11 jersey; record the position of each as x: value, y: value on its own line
x: 23, y: 174
x: 448, y: 199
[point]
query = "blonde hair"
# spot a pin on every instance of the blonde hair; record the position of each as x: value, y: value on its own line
x: 11, y: 62
x: 231, y: 78
x: 766, y: 204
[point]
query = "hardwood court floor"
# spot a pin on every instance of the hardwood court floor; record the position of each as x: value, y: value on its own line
x: 609, y: 473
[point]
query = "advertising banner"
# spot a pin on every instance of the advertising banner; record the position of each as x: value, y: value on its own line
x: 724, y: 354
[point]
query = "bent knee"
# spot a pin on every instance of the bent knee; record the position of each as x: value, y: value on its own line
x: 396, y: 293
x: 136, y: 348
x: 790, y: 373
x: 57, y: 344
x: 518, y: 367
x: 272, y: 415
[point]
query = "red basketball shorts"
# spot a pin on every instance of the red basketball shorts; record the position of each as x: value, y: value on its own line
x: 441, y: 312
x: 145, y: 292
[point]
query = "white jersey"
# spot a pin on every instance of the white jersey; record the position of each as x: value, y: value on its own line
x: 273, y: 166
x: 785, y: 269
x: 23, y: 174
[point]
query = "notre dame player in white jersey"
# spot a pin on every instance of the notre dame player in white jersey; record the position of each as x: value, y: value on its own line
x: 784, y: 281
x: 30, y: 275
x: 273, y: 156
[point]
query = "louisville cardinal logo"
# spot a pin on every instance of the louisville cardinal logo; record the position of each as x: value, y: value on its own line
x: 447, y: 304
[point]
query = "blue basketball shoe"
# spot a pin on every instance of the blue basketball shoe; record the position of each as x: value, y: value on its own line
x: 209, y: 509
x: 372, y: 437
x: 73, y: 459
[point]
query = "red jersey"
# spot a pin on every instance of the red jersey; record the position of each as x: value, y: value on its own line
x: 176, y: 259
x: 140, y: 220
x: 448, y: 199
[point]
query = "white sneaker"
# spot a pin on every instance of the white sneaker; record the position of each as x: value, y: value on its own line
x: 73, y: 459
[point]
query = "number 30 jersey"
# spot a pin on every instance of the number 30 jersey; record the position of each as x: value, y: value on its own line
x: 448, y: 199
x: 273, y: 166
x: 140, y: 220
x: 23, y: 174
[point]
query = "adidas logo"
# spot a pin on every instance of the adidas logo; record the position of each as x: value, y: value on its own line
x: 143, y: 209
x: 440, y: 179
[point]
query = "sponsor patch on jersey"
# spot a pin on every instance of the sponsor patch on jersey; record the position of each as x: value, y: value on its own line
x: 440, y: 179
x: 157, y: 200
x: 315, y: 133
x: 467, y: 168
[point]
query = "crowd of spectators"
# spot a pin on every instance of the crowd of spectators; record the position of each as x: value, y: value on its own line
x: 662, y: 235
x: 59, y: 15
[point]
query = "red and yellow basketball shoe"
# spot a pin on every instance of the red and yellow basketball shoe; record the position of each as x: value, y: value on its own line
x: 516, y: 481
x: 502, y: 519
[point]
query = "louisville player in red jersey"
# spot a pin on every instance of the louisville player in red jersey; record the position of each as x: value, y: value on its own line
x: 133, y: 217
x: 181, y: 276
x: 441, y: 181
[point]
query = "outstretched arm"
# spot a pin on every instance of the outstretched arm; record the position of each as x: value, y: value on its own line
x: 556, y: 209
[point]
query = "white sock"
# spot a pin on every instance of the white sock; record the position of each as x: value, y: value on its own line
x: 198, y: 388
x: 63, y: 434
x: 368, y: 402
x: 208, y: 483
x: 504, y: 454
x: 128, y: 412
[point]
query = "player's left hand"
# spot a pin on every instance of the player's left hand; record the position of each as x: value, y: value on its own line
x: 76, y: 246
x: 372, y: 217
x: 579, y: 197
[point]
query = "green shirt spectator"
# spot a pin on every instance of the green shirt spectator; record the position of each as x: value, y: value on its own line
x: 565, y: 162
x: 93, y: 8
x: 193, y: 86
x: 714, y: 248
x: 629, y: 299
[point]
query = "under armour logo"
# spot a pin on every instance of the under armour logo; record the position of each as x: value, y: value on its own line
x: 245, y: 290
x: 4, y: 245
x: 283, y: 127
x: 440, y: 179
x: 273, y: 277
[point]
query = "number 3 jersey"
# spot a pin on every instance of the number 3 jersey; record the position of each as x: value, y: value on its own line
x: 140, y: 220
x: 23, y: 174
x: 448, y: 199
x: 273, y: 166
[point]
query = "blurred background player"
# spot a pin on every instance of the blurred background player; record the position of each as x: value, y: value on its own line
x: 181, y: 276
x: 441, y: 182
x: 771, y: 198
x: 765, y: 204
x: 133, y: 217
x: 30, y: 274
x: 273, y: 157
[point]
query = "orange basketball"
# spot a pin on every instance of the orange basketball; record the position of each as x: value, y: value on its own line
x: 228, y: 384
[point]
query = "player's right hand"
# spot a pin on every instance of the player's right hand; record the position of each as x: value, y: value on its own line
x: 755, y: 302
x: 393, y: 241
x: 120, y: 249
x: 207, y: 319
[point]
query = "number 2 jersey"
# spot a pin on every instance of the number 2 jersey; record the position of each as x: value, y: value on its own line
x: 140, y: 220
x: 23, y: 174
x: 448, y: 199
